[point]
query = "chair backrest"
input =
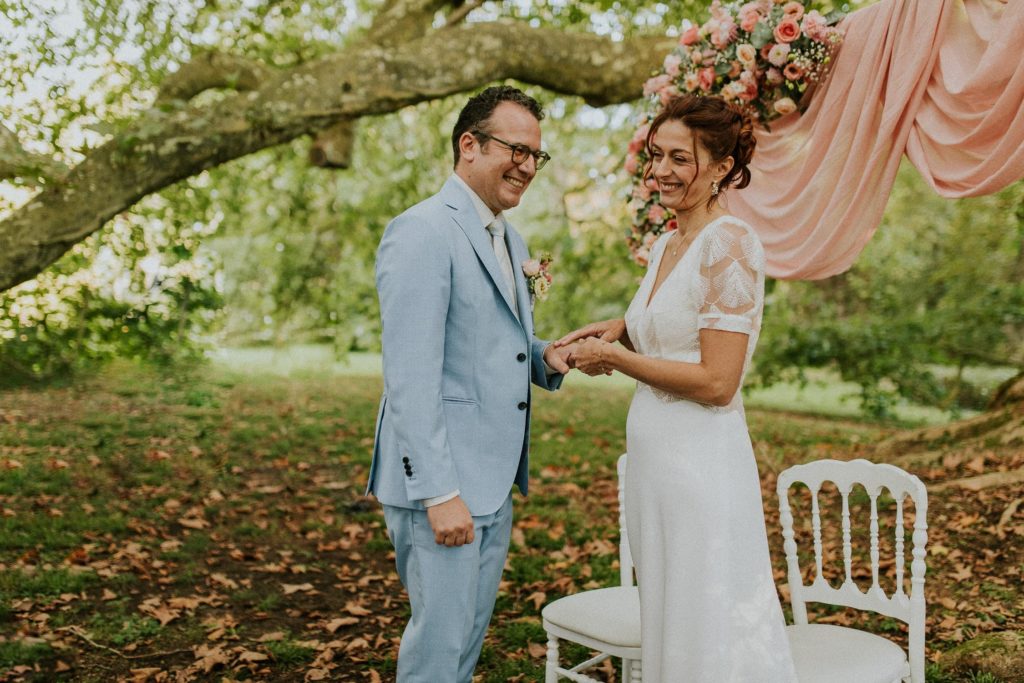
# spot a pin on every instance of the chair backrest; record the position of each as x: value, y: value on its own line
x: 874, y: 478
x: 625, y: 557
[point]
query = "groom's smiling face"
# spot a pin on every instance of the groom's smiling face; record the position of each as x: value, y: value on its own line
x: 487, y: 165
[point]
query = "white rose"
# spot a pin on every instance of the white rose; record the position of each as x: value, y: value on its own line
x: 531, y: 267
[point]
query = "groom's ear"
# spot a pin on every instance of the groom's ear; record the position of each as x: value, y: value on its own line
x: 468, y: 146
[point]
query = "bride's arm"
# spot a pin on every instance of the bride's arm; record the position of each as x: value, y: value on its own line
x: 714, y: 380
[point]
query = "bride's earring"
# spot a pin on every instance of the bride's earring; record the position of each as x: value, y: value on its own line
x: 714, y: 188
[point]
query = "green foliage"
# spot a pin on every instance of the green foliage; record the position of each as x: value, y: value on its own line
x: 939, y: 285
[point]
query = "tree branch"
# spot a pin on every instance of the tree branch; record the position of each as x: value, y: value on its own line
x: 165, y: 147
x: 213, y: 70
x: 17, y: 162
x: 401, y: 21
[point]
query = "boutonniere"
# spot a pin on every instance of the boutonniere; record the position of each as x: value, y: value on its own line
x: 538, y: 279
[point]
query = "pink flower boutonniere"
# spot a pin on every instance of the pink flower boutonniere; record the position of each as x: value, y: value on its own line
x: 538, y: 279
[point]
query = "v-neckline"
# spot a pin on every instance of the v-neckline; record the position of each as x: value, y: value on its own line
x: 655, y: 287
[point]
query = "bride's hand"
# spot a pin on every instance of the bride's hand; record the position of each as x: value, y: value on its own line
x: 607, y: 330
x: 590, y: 356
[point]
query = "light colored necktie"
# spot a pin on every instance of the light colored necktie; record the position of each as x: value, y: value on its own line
x: 497, y: 230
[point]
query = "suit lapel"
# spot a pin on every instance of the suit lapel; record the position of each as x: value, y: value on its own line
x: 465, y: 217
x: 518, y: 254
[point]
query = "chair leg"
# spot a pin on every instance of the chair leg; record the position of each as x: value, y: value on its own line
x: 550, y: 675
x: 635, y: 673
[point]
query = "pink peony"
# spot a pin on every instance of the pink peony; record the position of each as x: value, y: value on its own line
x: 631, y: 164
x: 656, y: 83
x: 746, y: 53
x: 793, y: 71
x: 749, y: 15
x: 774, y: 76
x: 777, y: 56
x: 787, y: 31
x: 672, y: 63
x: 690, y: 36
x: 707, y: 78
x: 793, y: 10
x: 665, y: 95
x: 656, y: 214
x: 531, y: 267
x: 814, y: 26
x: 784, y: 106
x: 725, y: 34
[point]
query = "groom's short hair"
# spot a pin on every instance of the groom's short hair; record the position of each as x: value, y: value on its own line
x: 477, y: 112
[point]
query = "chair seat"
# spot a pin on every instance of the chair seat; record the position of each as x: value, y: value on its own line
x: 824, y: 653
x: 606, y: 615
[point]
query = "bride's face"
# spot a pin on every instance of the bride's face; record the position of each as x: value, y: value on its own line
x: 681, y: 166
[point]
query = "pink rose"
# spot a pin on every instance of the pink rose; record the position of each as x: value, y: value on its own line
x: 631, y: 164
x: 691, y: 81
x: 531, y: 267
x: 672, y: 63
x: 656, y: 83
x: 656, y: 214
x: 784, y: 106
x: 672, y: 225
x: 793, y: 10
x: 774, y: 76
x: 814, y: 26
x: 777, y: 55
x: 787, y: 31
x: 707, y: 78
x: 735, y: 69
x: 746, y: 53
x: 635, y: 145
x: 690, y: 36
x: 641, y: 132
x: 793, y: 71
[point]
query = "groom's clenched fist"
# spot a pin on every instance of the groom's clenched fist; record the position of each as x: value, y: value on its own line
x: 451, y: 522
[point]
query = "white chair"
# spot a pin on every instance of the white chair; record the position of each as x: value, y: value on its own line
x: 826, y: 653
x: 606, y: 620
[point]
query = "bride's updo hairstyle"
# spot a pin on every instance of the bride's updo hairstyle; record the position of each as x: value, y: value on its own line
x: 723, y: 129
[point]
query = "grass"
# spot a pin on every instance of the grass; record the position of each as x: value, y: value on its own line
x: 215, y: 507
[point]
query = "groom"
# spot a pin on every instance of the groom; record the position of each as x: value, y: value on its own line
x: 459, y: 356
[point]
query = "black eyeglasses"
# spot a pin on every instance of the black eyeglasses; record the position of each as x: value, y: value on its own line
x: 520, y: 153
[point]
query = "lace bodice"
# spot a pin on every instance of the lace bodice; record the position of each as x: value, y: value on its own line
x: 717, y: 284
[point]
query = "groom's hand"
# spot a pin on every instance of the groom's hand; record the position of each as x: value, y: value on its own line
x: 558, y: 359
x: 451, y: 522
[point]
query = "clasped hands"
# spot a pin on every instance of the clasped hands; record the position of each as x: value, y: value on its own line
x: 588, y: 349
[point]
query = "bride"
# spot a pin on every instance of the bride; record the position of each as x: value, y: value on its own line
x: 709, y: 611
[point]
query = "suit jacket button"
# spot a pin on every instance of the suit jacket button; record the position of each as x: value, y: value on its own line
x: 405, y: 459
x: 521, y: 357
x: 522, y: 405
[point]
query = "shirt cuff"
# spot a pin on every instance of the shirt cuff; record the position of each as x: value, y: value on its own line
x: 437, y: 500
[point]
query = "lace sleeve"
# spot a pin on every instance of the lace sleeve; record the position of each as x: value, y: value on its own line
x: 731, y: 279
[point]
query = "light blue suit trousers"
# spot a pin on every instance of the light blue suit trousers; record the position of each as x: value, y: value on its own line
x: 451, y: 592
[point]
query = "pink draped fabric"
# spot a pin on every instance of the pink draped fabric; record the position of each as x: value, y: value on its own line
x: 939, y: 80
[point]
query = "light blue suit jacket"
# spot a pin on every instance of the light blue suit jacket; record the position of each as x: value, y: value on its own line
x: 455, y: 413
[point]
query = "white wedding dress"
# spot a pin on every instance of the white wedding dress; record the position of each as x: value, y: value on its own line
x: 709, y: 610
